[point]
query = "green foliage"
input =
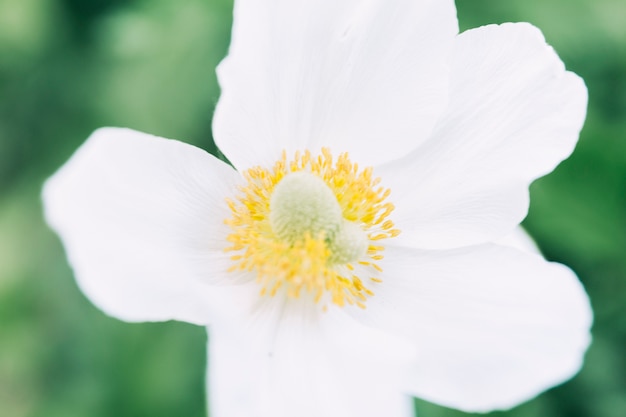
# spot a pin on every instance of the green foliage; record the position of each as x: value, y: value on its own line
x: 70, y: 66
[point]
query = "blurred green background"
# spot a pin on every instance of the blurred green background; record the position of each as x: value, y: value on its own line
x: 70, y: 66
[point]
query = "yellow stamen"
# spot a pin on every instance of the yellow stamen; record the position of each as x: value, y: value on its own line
x: 290, y: 257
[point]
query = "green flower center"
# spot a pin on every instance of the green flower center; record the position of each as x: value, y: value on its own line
x: 303, y: 205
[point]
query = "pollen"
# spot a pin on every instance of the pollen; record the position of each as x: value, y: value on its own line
x: 311, y: 226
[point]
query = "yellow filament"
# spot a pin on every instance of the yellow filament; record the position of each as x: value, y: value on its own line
x: 306, y: 266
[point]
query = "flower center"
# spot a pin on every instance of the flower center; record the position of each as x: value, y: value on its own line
x: 303, y: 205
x: 313, y: 226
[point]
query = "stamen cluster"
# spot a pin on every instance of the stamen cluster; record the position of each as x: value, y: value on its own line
x: 316, y: 263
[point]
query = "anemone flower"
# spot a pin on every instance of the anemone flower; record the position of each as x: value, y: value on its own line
x: 351, y: 255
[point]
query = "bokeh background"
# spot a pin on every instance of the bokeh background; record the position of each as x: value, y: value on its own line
x: 70, y: 66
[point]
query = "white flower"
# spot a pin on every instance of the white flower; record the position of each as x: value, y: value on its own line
x: 322, y: 299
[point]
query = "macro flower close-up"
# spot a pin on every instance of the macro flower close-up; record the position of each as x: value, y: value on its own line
x: 359, y: 243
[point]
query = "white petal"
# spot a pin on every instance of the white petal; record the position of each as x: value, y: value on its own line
x: 520, y: 240
x: 494, y: 326
x: 134, y: 212
x: 369, y: 77
x: 308, y: 370
x: 514, y: 114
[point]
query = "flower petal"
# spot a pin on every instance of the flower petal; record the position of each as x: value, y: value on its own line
x: 134, y: 212
x: 310, y: 368
x: 520, y: 240
x: 350, y: 74
x: 494, y: 326
x: 514, y: 114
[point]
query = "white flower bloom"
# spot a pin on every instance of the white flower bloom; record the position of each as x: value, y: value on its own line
x: 350, y: 257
